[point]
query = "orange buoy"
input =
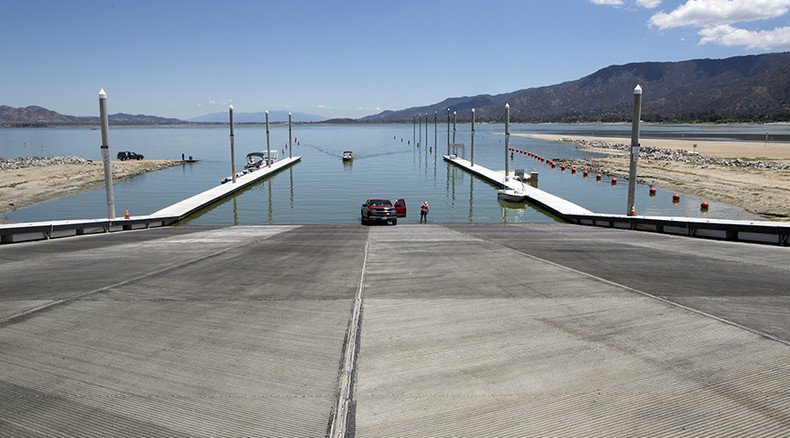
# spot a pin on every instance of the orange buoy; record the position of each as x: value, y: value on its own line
x: 704, y: 206
x: 598, y: 176
x: 585, y: 173
x: 632, y: 212
x: 676, y: 197
x: 573, y: 170
x: 126, y: 214
x: 562, y: 168
x: 614, y: 181
x: 652, y: 191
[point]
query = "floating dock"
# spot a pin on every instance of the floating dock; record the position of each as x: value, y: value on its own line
x: 735, y: 230
x: 201, y: 200
x: 18, y: 232
x: 552, y: 203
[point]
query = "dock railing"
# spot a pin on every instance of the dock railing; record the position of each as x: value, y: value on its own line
x: 736, y: 230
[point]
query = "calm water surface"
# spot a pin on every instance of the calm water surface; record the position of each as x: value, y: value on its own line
x: 322, y: 189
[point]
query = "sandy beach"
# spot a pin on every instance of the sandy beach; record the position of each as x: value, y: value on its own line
x: 722, y: 149
x: 758, y: 190
x: 29, y: 185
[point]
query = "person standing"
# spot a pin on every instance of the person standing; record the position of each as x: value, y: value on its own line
x: 424, y: 212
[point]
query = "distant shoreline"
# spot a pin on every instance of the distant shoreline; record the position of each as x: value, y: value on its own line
x: 357, y: 122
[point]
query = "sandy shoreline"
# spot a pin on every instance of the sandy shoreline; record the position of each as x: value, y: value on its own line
x: 762, y: 191
x: 722, y: 149
x: 27, y: 186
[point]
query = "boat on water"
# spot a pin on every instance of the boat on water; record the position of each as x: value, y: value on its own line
x: 511, y: 195
x: 255, y: 160
x: 348, y: 156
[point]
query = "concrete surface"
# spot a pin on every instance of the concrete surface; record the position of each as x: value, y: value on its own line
x: 466, y: 330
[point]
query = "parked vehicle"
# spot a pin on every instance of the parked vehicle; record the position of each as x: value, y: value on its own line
x: 378, y: 210
x: 400, y: 207
x: 128, y: 155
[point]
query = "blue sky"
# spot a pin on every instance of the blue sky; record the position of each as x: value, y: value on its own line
x: 347, y: 58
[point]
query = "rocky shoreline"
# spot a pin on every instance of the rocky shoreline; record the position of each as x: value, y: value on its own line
x: 759, y: 186
x: 25, y: 162
x: 672, y: 154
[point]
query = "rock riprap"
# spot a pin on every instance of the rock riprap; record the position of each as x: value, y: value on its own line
x: 23, y: 162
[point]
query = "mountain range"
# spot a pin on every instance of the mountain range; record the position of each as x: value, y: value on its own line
x: 753, y: 88
x: 38, y: 116
x: 745, y: 88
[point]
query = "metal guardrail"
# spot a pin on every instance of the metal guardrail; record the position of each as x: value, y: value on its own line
x: 733, y: 230
x: 20, y: 232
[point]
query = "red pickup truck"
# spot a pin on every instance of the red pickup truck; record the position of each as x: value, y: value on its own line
x: 382, y: 210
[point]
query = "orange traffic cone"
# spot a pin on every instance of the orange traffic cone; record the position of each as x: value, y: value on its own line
x: 126, y: 215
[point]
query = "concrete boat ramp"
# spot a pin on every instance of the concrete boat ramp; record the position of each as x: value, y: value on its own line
x: 462, y: 330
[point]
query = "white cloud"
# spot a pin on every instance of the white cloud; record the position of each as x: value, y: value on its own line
x: 607, y: 2
x: 648, y: 4
x: 716, y: 18
x: 726, y: 35
x: 707, y: 13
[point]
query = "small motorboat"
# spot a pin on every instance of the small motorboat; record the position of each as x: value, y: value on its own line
x: 511, y: 195
x: 256, y: 160
x: 348, y: 156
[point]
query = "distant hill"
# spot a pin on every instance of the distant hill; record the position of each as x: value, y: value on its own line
x: 274, y: 116
x: 38, y: 116
x: 744, y: 88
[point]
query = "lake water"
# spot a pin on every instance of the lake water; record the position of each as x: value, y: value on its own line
x: 322, y: 189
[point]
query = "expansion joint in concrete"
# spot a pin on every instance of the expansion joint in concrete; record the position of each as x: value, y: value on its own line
x: 342, y: 421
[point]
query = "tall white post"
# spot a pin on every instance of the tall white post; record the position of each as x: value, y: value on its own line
x: 105, y: 154
x: 472, y: 158
x: 507, y: 138
x: 435, y: 132
x: 268, y: 148
x: 634, y: 149
x: 413, y: 130
x: 419, y: 123
x: 455, y: 117
x: 232, y: 148
x: 448, y: 131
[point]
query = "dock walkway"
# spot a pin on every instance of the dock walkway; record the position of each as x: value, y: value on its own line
x: 777, y: 233
x: 546, y: 200
x: 17, y: 232
x: 201, y: 200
